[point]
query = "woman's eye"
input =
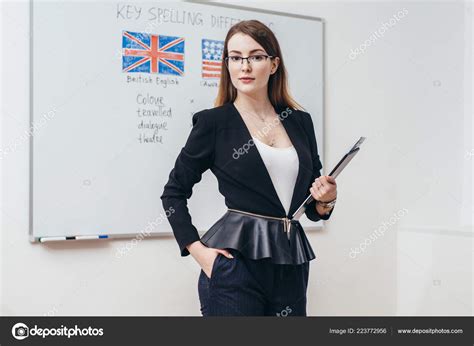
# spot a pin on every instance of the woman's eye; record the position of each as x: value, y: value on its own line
x: 234, y: 58
x: 257, y: 58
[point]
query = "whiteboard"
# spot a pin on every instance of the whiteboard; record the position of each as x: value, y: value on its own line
x: 108, y: 128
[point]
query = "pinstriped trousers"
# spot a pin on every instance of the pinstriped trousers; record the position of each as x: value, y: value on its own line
x: 241, y: 286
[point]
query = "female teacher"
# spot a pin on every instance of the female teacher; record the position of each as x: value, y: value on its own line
x: 261, y: 147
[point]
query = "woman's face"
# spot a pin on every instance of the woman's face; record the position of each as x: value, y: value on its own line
x: 257, y: 72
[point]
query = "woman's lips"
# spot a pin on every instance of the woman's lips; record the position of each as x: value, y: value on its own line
x: 246, y: 80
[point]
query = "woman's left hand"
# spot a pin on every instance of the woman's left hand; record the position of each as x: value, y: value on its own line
x: 324, y: 188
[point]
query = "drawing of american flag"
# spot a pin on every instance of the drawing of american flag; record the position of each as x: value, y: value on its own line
x: 142, y: 52
x: 211, y: 58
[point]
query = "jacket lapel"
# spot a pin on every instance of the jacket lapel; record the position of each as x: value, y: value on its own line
x: 305, y: 171
x: 296, y: 134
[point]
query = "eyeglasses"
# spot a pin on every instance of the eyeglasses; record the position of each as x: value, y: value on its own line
x: 252, y: 59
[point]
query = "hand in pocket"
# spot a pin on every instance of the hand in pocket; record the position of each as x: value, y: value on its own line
x: 209, y: 257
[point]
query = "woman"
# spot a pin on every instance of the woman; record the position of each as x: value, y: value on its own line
x: 262, y: 148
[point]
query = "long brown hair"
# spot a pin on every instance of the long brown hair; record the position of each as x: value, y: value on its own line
x: 278, y: 91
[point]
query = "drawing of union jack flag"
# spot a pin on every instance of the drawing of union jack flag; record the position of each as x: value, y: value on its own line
x: 211, y: 58
x: 142, y: 52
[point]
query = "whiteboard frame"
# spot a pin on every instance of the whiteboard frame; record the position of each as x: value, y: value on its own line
x: 36, y: 239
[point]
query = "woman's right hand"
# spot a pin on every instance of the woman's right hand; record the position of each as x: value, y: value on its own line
x: 205, y: 256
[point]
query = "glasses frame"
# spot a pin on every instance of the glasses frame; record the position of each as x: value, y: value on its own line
x: 247, y: 58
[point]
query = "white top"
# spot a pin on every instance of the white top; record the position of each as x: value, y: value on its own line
x: 282, y: 166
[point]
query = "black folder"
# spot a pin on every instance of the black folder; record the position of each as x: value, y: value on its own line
x: 334, y: 173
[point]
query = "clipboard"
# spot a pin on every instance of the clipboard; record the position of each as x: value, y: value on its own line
x: 334, y: 173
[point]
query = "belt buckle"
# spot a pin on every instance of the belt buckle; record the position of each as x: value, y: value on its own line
x: 287, y: 226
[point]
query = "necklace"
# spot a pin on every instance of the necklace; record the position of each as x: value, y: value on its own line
x: 272, y: 137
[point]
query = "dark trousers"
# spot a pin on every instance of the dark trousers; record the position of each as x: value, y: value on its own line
x: 244, y: 287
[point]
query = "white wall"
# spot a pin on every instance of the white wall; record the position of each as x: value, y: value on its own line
x: 1, y: 164
x: 408, y: 92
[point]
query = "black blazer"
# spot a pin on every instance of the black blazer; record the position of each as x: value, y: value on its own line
x: 221, y: 141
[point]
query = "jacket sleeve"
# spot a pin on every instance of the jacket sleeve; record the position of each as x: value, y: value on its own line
x: 311, y: 212
x: 195, y: 158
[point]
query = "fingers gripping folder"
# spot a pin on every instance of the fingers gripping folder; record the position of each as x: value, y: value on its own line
x: 334, y: 173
